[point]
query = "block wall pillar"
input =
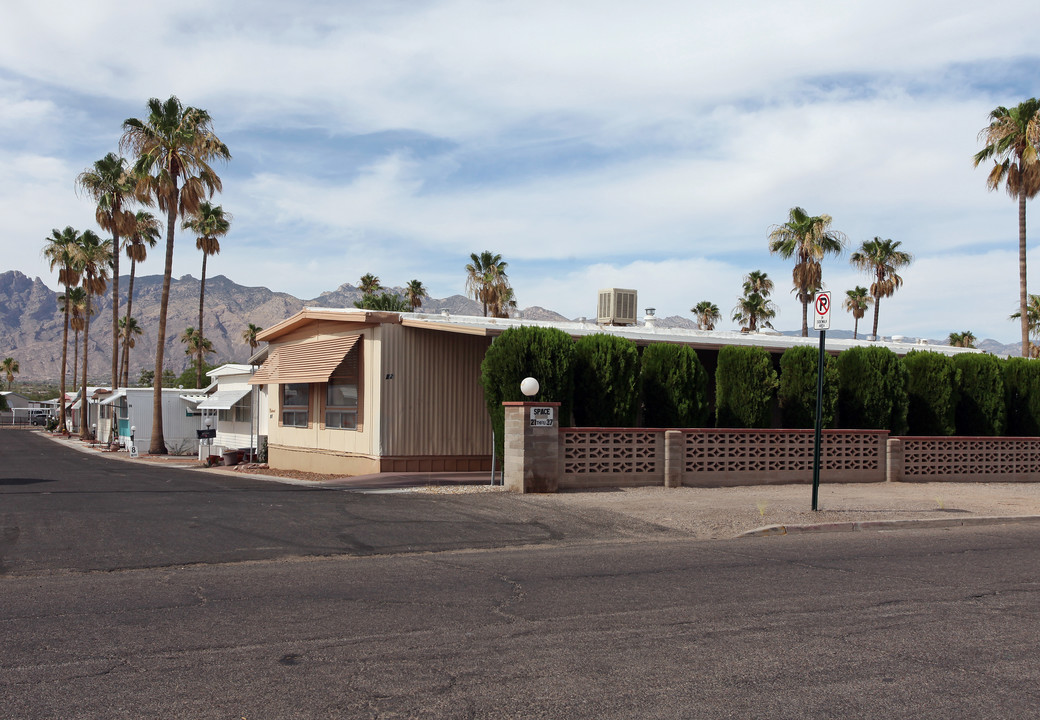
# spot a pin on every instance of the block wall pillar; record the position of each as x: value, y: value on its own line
x: 532, y: 447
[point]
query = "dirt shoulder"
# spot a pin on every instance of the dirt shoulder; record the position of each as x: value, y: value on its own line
x: 729, y: 512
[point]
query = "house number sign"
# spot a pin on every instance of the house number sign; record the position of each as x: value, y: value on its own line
x: 543, y: 416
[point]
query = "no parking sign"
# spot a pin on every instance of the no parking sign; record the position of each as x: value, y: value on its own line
x: 822, y: 306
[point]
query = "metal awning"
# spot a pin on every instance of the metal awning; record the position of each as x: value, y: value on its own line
x: 223, y: 399
x: 309, y: 362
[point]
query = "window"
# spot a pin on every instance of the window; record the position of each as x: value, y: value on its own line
x: 341, y: 394
x: 294, y: 404
x: 242, y: 412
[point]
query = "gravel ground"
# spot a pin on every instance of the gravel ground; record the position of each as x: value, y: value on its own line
x: 728, y: 512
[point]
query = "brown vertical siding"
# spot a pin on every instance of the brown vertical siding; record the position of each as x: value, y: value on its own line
x: 434, y: 405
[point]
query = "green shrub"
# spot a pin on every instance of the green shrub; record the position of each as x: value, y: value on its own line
x: 542, y: 353
x: 872, y: 390
x: 675, y: 387
x: 799, y: 376
x: 606, y: 381
x: 981, y: 408
x: 932, y: 382
x: 745, y: 383
x: 1022, y: 391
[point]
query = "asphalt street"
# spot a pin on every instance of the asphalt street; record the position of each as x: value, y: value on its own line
x: 303, y: 603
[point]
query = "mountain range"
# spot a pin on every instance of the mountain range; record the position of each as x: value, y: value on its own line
x: 31, y: 321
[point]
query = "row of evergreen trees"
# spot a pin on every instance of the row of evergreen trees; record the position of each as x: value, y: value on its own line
x: 606, y: 381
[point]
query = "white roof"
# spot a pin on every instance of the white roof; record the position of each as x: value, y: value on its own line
x: 231, y: 369
x: 643, y: 334
x: 224, y: 399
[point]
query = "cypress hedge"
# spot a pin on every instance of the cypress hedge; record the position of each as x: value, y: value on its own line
x: 674, y: 387
x: 545, y: 354
x: 932, y: 383
x: 872, y: 390
x: 606, y: 381
x: 1022, y: 391
x: 799, y: 376
x: 745, y: 383
x: 981, y: 408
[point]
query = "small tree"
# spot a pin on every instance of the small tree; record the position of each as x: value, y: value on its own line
x: 799, y: 376
x: 745, y: 383
x: 545, y: 354
x: 932, y: 381
x: 872, y: 390
x: 606, y: 381
x: 675, y: 387
x: 981, y: 407
x: 1022, y: 392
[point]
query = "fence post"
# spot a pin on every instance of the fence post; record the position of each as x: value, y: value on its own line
x: 532, y: 447
x: 674, y: 458
x: 896, y: 460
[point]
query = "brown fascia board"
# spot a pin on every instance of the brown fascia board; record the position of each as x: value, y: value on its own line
x: 357, y: 318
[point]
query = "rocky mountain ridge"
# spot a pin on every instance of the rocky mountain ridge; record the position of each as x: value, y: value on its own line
x: 31, y: 321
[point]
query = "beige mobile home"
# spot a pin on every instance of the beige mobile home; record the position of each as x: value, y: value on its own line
x: 355, y: 391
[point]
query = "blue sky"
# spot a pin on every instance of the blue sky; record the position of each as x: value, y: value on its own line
x: 593, y: 144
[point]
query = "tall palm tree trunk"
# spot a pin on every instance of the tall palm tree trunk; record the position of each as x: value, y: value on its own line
x: 124, y: 371
x: 75, y: 359
x: 805, y: 314
x: 157, y: 445
x: 1022, y: 297
x: 64, y: 363
x: 202, y: 300
x: 877, y: 306
x: 855, y: 327
x: 115, y: 310
x: 84, y: 410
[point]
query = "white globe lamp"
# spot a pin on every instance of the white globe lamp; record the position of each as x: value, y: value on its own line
x: 529, y: 387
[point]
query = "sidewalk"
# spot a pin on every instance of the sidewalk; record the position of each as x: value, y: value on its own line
x: 711, y: 513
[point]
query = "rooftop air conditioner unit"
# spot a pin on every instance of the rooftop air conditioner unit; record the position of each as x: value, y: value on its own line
x: 616, y: 307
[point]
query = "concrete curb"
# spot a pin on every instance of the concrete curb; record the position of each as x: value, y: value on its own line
x: 862, y: 525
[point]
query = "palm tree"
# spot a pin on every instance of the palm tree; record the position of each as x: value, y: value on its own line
x: 129, y: 330
x: 856, y: 302
x: 196, y: 345
x: 60, y: 252
x: 210, y: 223
x: 414, y: 293
x: 1032, y: 322
x: 962, y: 339
x: 486, y: 278
x: 112, y: 186
x: 1013, y: 140
x: 174, y: 148
x: 881, y: 258
x: 707, y: 314
x: 759, y: 282
x: 10, y: 368
x: 144, y: 236
x: 501, y: 301
x: 77, y: 303
x: 369, y: 285
x: 753, y: 309
x: 808, y: 239
x: 95, y: 256
x: 249, y: 335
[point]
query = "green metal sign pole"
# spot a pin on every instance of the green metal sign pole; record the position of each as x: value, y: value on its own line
x: 819, y: 424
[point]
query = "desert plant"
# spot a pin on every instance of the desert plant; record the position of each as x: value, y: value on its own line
x: 872, y: 390
x: 1022, y: 393
x: 981, y: 407
x: 675, y: 387
x: 545, y: 354
x: 745, y: 383
x: 606, y: 381
x: 799, y: 375
x: 932, y: 381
